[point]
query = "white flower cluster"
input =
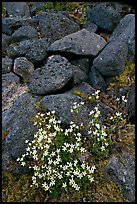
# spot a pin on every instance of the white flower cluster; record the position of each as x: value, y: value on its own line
x: 97, y: 130
x: 123, y: 99
x: 76, y: 106
x: 96, y: 94
x: 55, y: 160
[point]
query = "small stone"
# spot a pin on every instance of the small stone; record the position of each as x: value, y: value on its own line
x: 24, y: 68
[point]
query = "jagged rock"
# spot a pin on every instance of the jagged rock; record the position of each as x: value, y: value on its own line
x: 17, y: 9
x: 24, y: 68
x: 104, y: 16
x: 6, y: 65
x: 83, y: 43
x: 57, y: 25
x: 111, y: 61
x: 52, y: 77
x: 82, y: 63
x: 24, y: 33
x: 17, y: 120
x: 122, y: 170
x: 6, y: 40
x: 96, y: 80
x: 9, y: 78
x: 131, y: 104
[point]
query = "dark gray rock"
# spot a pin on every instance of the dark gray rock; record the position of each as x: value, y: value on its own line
x: 6, y: 40
x: 55, y: 25
x: 104, y: 16
x: 125, y: 32
x: 79, y: 76
x: 17, y: 120
x: 37, y: 51
x: 9, y: 78
x: 11, y: 24
x: 62, y: 104
x: 17, y: 9
x: 35, y: 7
x: 125, y: 28
x: 6, y: 65
x: 83, y: 43
x: 24, y: 68
x: 24, y: 33
x: 131, y: 104
x: 34, y: 50
x: 122, y: 170
x: 10, y: 83
x: 91, y: 26
x: 82, y: 63
x: 111, y: 61
x: 52, y: 77
x: 83, y: 88
x: 96, y: 80
x: 15, y: 50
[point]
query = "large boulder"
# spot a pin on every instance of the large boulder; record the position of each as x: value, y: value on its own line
x: 6, y: 65
x: 125, y: 32
x: 104, y: 16
x: 24, y: 33
x: 83, y: 43
x: 52, y: 77
x: 122, y: 169
x: 17, y: 122
x: 17, y: 9
x: 55, y: 25
x: 23, y: 68
x: 63, y: 103
x: 111, y: 61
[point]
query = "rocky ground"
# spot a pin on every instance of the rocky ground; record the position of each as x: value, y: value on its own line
x: 53, y: 55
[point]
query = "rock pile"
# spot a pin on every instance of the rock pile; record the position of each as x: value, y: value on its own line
x: 52, y: 56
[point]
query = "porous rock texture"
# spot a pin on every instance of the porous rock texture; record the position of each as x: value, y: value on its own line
x: 48, y: 57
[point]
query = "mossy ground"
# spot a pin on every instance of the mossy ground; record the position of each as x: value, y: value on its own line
x: 126, y: 78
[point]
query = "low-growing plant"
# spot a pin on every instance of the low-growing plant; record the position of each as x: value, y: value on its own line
x: 55, y: 153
